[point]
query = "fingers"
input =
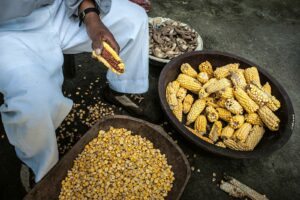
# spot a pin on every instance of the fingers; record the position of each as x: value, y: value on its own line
x: 97, y: 46
x: 112, y: 42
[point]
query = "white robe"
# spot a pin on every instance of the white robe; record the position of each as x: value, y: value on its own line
x: 31, y: 58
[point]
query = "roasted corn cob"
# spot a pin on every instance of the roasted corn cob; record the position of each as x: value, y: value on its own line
x: 257, y: 94
x: 226, y: 93
x: 221, y: 102
x: 200, y: 124
x: 181, y: 94
x: 237, y: 121
x: 218, y: 85
x: 199, y: 135
x: 269, y: 118
x: 234, y: 106
x: 235, y: 145
x: 187, y: 103
x: 195, y: 111
x: 267, y: 88
x: 178, y: 111
x: 207, y: 68
x: 274, y: 104
x: 246, y: 102
x: 252, y: 76
x: 171, y: 91
x: 255, y: 135
x: 238, y: 79
x: 212, y: 114
x: 242, y: 133
x: 224, y: 114
x: 224, y: 71
x: 188, y: 70
x: 189, y: 83
x: 221, y: 144
x: 253, y: 118
x: 202, y: 77
x: 209, y: 83
x: 215, y: 131
x: 202, y: 93
x: 211, y: 102
x: 227, y: 132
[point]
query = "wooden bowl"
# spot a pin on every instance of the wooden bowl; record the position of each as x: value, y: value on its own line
x: 271, y: 141
x: 49, y: 187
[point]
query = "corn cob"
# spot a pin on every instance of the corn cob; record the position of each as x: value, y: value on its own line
x: 269, y: 118
x: 242, y: 133
x: 224, y: 114
x: 189, y: 83
x: 226, y: 93
x: 171, y: 91
x: 257, y: 94
x: 199, y: 135
x: 238, y: 79
x: 221, y: 144
x: 215, y: 131
x: 246, y: 102
x: 211, y: 114
x: 202, y: 77
x: 255, y: 135
x: 209, y: 82
x: 195, y: 111
x: 219, y: 85
x: 234, y: 145
x: 181, y: 93
x: 178, y: 111
x: 252, y: 76
x: 187, y: 103
x: 253, y: 118
x: 221, y: 102
x: 188, y: 70
x: 267, y: 88
x: 211, y: 102
x: 200, y: 124
x: 233, y: 106
x: 202, y: 93
x: 237, y: 121
x: 207, y: 68
x: 273, y: 104
x: 224, y: 71
x: 227, y: 132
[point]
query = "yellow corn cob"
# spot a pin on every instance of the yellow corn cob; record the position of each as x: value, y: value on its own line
x: 234, y: 145
x: 237, y: 121
x: 188, y: 70
x: 218, y: 85
x: 221, y: 102
x: 200, y: 124
x: 257, y: 94
x: 274, y: 104
x: 224, y: 114
x: 246, y: 102
x: 181, y: 93
x: 187, y: 103
x: 221, y: 144
x: 189, y: 83
x: 195, y: 111
x: 269, y: 118
x: 238, y: 79
x: 226, y: 93
x: 255, y: 135
x: 211, y: 102
x: 199, y: 135
x: 253, y: 118
x: 267, y: 88
x: 252, y: 76
x: 202, y: 93
x: 178, y: 111
x: 227, y: 132
x: 215, y: 131
x: 212, y: 114
x: 171, y: 91
x: 233, y: 106
x: 209, y: 82
x: 224, y: 71
x: 207, y: 68
x: 242, y: 133
x: 202, y: 77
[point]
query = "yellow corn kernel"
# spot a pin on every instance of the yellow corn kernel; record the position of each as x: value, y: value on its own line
x: 188, y: 70
x: 181, y: 94
x: 211, y: 114
x: 207, y: 68
x: 221, y: 102
x: 221, y: 144
x: 253, y: 118
x: 235, y: 145
x: 211, y: 102
x: 189, y: 83
x: 199, y: 135
x: 257, y: 94
x: 242, y: 133
x: 237, y: 121
x: 215, y: 131
x: 177, y: 111
x: 202, y: 77
x: 227, y: 132
x: 200, y: 124
x: 267, y: 88
x: 195, y: 111
x: 274, y: 104
x: 224, y: 114
x: 233, y: 106
x: 224, y: 71
x: 226, y: 93
x: 187, y: 103
x: 246, y: 102
x: 171, y: 91
x: 252, y: 76
x: 202, y: 93
x: 218, y: 85
x: 255, y: 135
x: 269, y: 118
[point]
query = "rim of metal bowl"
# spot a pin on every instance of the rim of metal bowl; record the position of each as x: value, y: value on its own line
x: 210, y: 147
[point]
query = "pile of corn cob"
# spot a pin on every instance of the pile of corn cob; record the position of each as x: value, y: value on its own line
x: 118, y: 165
x: 231, y: 99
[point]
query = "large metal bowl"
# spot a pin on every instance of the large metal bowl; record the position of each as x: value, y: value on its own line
x: 270, y: 142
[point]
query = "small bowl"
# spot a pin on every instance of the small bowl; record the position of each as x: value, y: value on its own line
x: 271, y: 141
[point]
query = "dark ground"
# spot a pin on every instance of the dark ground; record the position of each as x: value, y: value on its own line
x: 265, y: 32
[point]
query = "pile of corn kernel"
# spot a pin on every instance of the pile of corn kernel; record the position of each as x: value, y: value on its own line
x: 226, y: 106
x: 118, y: 165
